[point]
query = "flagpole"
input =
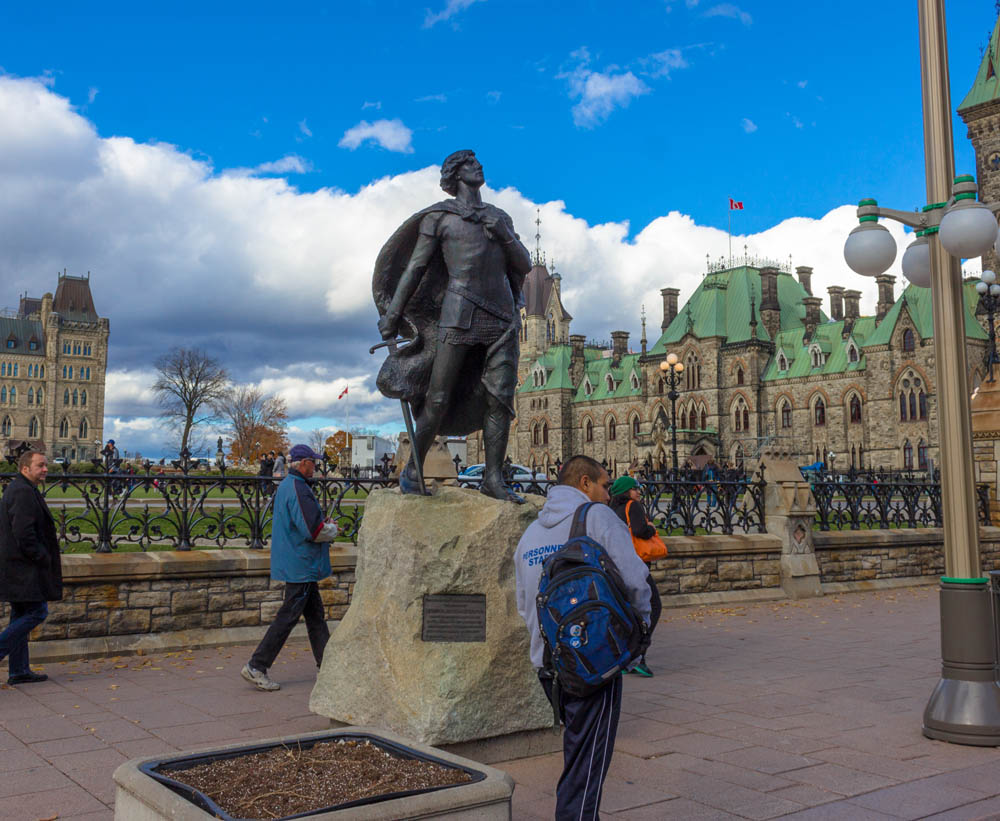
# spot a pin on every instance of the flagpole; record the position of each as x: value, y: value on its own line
x: 730, y: 234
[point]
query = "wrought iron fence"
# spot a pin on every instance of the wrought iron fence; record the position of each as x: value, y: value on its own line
x: 881, y: 499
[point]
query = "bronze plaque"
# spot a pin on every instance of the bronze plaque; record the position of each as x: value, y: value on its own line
x: 450, y: 617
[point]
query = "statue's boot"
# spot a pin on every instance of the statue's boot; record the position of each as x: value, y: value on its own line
x: 496, y: 428
x: 408, y: 482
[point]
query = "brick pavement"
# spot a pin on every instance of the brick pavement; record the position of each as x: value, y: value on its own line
x: 804, y: 710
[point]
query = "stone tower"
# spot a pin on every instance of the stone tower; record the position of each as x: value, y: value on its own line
x: 980, y: 110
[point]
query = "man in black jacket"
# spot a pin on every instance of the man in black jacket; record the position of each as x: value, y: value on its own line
x: 30, y: 564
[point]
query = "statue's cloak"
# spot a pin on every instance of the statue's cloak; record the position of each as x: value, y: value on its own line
x: 406, y: 374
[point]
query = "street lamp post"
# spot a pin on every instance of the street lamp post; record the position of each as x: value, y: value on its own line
x: 672, y: 370
x: 965, y: 704
x: 989, y: 297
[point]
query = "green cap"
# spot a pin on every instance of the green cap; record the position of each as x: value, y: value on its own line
x: 623, y: 484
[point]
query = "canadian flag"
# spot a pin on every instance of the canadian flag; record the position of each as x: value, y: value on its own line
x: 734, y: 205
x: 343, y: 393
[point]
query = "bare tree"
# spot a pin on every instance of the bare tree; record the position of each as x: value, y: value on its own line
x: 317, y: 440
x: 256, y: 421
x: 188, y: 385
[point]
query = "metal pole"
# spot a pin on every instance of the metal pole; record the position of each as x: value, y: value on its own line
x: 965, y: 704
x: 673, y: 379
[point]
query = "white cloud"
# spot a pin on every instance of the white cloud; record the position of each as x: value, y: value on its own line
x: 748, y: 125
x: 377, y: 105
x: 92, y: 93
x: 432, y: 98
x: 276, y: 283
x: 494, y: 96
x: 289, y: 164
x: 802, y: 83
x: 599, y: 93
x: 304, y: 128
x: 729, y: 10
x: 391, y: 135
x: 664, y: 62
x: 452, y: 8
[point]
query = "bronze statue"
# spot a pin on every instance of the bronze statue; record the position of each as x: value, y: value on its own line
x: 450, y: 281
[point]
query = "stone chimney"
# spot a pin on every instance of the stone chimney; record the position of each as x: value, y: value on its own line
x: 576, y: 362
x: 46, y: 309
x: 812, y: 304
x: 805, y: 278
x: 836, y: 302
x: 770, y: 309
x: 885, y: 295
x: 669, y: 305
x: 852, y: 305
x: 619, y: 345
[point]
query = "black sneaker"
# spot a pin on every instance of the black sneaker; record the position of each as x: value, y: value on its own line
x: 27, y: 678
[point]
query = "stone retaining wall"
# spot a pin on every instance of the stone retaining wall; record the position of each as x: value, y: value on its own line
x: 867, y: 555
x: 132, y: 593
x: 717, y: 564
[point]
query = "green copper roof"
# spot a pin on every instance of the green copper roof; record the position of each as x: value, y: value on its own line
x: 597, y: 372
x: 829, y: 338
x: 918, y: 305
x: 987, y: 84
x: 556, y: 363
x: 720, y: 306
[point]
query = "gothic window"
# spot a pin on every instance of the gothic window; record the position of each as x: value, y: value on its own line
x: 83, y: 428
x: 736, y: 420
x: 534, y: 434
x: 588, y: 431
x: 31, y: 396
x: 739, y: 376
x: 13, y: 396
x: 852, y: 354
x: 76, y: 397
x: 610, y: 382
x: 15, y: 369
x: 698, y: 380
x: 913, y: 405
x: 634, y: 381
x: 907, y: 456
x: 635, y: 427
x: 659, y: 386
x: 587, y: 387
x: 684, y: 420
x: 819, y: 412
x: 782, y: 363
x: 83, y: 399
x: 41, y: 374
x: 704, y: 420
x: 746, y: 419
x: 902, y: 407
x: 3, y: 394
x: 908, y: 340
x: 786, y: 415
x: 922, y: 401
x: 38, y: 396
x: 612, y: 430
x: 33, y: 427
x: 922, y: 455
x: 855, y: 409
x: 545, y: 433
x: 64, y: 428
x: 6, y: 426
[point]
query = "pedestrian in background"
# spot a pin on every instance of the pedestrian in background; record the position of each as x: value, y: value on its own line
x: 30, y: 564
x: 626, y: 501
x: 300, y: 557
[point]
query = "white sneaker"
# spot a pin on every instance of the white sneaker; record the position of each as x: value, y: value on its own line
x: 262, y: 681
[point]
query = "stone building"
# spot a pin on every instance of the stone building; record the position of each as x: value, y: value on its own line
x: 53, y: 362
x: 764, y: 366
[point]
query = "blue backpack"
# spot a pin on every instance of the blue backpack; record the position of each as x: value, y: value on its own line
x: 591, y: 631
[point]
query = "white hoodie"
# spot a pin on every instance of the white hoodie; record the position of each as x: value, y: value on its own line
x: 550, y: 531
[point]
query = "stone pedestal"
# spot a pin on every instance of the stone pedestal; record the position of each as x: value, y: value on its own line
x: 378, y: 670
x: 791, y: 510
x: 439, y: 469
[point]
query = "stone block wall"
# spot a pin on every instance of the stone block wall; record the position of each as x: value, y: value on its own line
x: 718, y: 564
x: 867, y: 555
x: 163, y: 592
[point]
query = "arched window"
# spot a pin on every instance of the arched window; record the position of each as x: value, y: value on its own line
x: 38, y: 397
x: 737, y: 419
x: 902, y: 407
x: 33, y: 427
x: 13, y: 395
x: 83, y: 398
x: 704, y: 420
x: 922, y: 455
x: 746, y: 419
x: 76, y: 397
x: 782, y: 363
x: 739, y: 376
x: 855, y: 409
x: 913, y: 405
x: 83, y: 428
x: 659, y: 386
x: 64, y: 428
x: 609, y: 380
x: 819, y: 412
x: 545, y: 433
x: 908, y: 340
x: 635, y: 427
x: 852, y: 354
x: 3, y: 393
x: 612, y: 430
x: 698, y: 380
x: 684, y: 420
x: 66, y: 396
x: 786, y: 415
x: 922, y: 402
x: 535, y: 434
x: 907, y: 455
x: 5, y: 426
x: 31, y: 396
x: 588, y: 431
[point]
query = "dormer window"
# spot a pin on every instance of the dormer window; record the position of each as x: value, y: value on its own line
x: 587, y: 387
x: 33, y: 344
x: 852, y: 353
x: 817, y: 356
x: 634, y: 381
x: 782, y: 362
x: 11, y: 342
x: 609, y: 380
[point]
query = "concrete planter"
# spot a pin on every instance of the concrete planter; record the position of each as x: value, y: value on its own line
x: 142, y: 796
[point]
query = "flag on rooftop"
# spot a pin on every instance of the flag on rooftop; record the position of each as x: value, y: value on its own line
x: 343, y: 393
x: 735, y: 205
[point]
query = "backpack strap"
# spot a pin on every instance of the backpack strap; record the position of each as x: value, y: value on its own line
x: 579, y: 527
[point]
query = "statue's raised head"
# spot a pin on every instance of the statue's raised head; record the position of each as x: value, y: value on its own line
x: 449, y: 169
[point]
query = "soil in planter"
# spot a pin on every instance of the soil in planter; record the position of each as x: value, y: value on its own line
x: 285, y: 781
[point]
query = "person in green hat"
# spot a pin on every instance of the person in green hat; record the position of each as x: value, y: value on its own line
x: 626, y: 501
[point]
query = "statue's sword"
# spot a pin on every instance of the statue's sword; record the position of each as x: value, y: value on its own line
x: 396, y: 345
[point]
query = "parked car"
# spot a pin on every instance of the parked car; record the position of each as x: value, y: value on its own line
x: 473, y: 475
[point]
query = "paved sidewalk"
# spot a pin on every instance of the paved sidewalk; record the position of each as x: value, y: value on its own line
x: 793, y: 709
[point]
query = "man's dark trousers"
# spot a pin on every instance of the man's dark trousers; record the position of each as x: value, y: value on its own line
x: 591, y: 724
x: 301, y: 599
x: 24, y: 617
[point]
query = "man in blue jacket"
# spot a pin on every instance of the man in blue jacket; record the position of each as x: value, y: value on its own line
x: 300, y: 557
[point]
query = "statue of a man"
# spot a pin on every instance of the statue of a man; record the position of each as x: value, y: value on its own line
x: 450, y: 280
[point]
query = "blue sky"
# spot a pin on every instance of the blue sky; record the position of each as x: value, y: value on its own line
x: 225, y: 173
